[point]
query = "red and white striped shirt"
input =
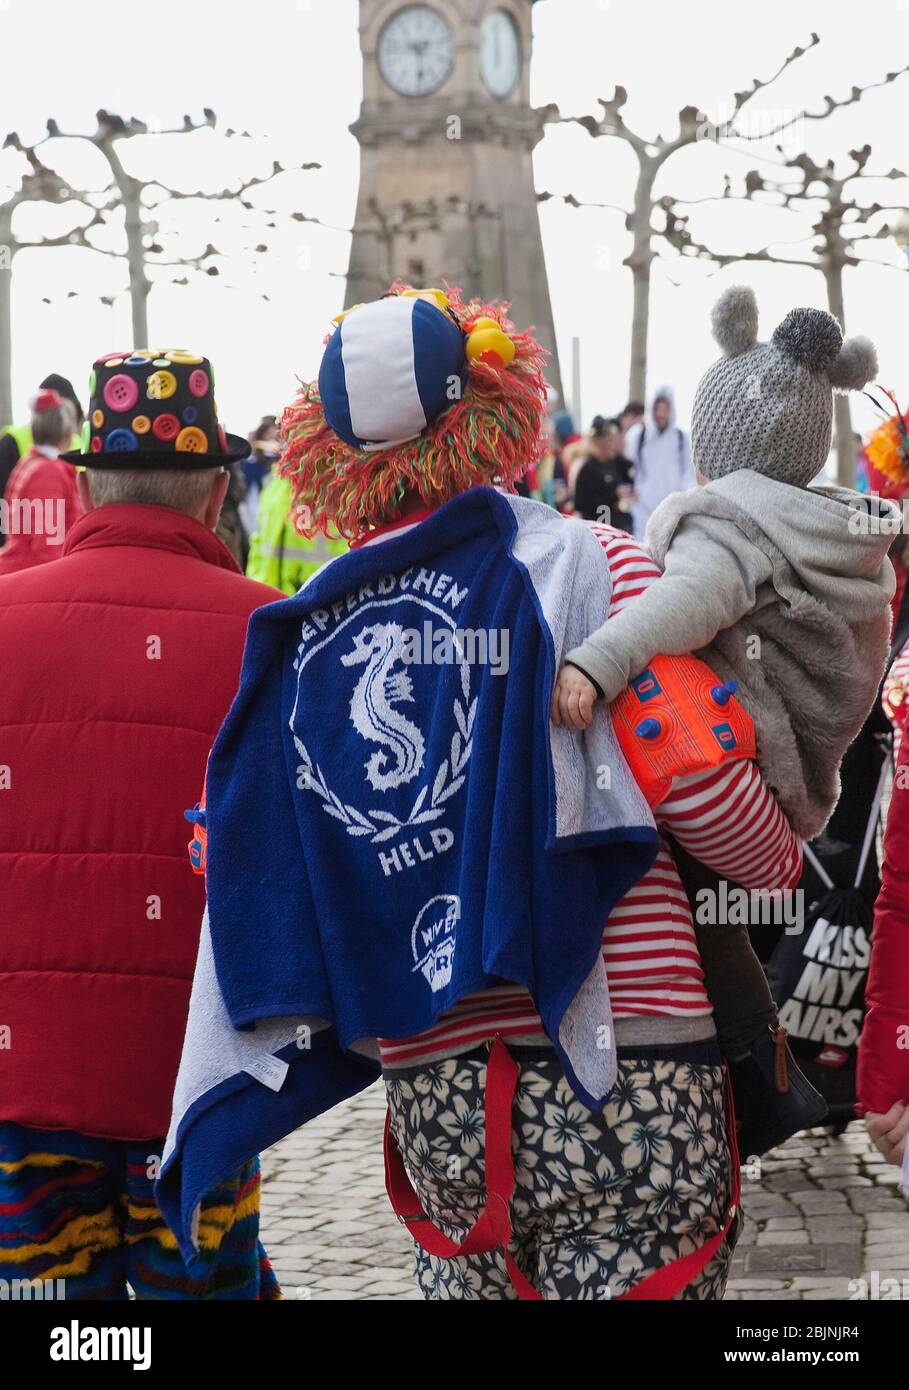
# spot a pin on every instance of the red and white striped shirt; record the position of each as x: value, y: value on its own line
x: 726, y: 818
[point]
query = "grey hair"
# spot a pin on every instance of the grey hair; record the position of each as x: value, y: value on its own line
x: 184, y: 492
x: 55, y: 426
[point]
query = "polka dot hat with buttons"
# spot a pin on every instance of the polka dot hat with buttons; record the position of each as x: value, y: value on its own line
x: 154, y: 410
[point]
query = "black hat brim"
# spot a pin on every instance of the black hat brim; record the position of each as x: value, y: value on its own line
x: 169, y: 461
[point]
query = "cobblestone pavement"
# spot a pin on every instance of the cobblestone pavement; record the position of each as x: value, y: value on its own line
x: 820, y: 1213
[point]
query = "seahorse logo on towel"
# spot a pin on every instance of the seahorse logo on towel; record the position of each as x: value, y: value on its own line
x: 372, y: 706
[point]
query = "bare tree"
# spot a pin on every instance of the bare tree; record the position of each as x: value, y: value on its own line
x: 39, y: 184
x: 842, y: 225
x: 653, y: 154
x: 141, y: 200
x: 132, y: 194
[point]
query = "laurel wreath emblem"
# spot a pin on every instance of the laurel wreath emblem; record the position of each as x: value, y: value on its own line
x: 382, y: 825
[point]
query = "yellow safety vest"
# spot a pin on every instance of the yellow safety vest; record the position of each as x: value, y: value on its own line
x: 22, y: 435
x: 278, y: 554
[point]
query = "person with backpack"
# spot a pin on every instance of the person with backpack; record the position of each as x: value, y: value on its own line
x: 661, y: 457
x: 410, y: 874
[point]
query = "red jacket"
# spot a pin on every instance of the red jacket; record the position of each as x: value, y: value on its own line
x: 119, y: 662
x: 42, y: 503
x: 883, y: 1060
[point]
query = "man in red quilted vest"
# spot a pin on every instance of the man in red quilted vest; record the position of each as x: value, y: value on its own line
x: 119, y: 661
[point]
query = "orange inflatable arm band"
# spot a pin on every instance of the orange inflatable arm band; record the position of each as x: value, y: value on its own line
x: 677, y: 718
x: 199, y: 842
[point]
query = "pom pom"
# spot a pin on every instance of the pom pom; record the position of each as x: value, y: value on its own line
x: 735, y: 320
x: 810, y: 337
x: 855, y: 366
x: 487, y: 343
x: 46, y: 400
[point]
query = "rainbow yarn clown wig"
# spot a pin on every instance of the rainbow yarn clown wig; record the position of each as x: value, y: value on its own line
x: 419, y: 393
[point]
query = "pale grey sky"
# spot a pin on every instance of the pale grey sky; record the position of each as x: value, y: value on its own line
x: 289, y: 72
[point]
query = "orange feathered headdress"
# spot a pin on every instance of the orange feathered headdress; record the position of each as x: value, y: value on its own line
x: 888, y: 448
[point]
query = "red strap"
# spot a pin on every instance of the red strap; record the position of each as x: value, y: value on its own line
x: 492, y: 1228
x: 666, y: 1282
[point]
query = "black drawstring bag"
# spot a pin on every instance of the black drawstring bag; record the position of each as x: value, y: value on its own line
x: 818, y: 978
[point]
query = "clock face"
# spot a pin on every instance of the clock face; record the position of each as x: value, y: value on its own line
x: 500, y: 53
x: 416, y: 50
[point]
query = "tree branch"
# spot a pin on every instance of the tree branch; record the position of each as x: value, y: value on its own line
x: 571, y: 201
x: 830, y: 105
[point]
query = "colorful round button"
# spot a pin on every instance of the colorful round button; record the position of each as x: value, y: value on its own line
x: 192, y: 441
x: 190, y: 415
x: 86, y: 436
x: 97, y: 418
x: 97, y: 444
x: 198, y: 382
x: 121, y: 442
x: 121, y: 393
x: 166, y: 427
x: 161, y: 386
x: 141, y: 424
x: 184, y: 359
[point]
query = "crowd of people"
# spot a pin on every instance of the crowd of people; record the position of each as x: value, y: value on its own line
x: 410, y: 866
x: 620, y: 471
x: 616, y: 474
x: 255, y: 521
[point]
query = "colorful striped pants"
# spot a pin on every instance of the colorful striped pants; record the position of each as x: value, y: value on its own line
x: 79, y: 1215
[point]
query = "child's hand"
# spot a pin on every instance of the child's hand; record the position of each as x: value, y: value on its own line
x: 573, y: 698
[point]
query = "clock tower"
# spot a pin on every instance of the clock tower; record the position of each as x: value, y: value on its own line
x: 446, y: 134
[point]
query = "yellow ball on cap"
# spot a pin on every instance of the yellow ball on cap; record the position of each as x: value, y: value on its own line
x: 487, y: 342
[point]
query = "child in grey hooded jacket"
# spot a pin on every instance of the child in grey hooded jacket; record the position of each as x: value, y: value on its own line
x: 783, y: 588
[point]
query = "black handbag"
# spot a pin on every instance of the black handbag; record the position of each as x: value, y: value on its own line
x: 818, y: 977
x: 773, y: 1098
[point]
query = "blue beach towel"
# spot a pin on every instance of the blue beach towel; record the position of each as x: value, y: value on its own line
x: 394, y: 823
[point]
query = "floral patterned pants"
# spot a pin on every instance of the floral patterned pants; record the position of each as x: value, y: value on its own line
x: 601, y: 1198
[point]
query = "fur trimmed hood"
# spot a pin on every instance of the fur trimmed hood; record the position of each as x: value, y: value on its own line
x: 810, y: 656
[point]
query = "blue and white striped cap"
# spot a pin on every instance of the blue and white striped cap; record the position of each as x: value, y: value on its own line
x: 390, y: 369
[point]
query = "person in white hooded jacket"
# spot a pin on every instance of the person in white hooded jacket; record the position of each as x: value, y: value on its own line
x: 660, y: 454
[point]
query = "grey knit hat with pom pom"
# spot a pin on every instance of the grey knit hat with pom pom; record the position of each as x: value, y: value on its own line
x: 769, y: 406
